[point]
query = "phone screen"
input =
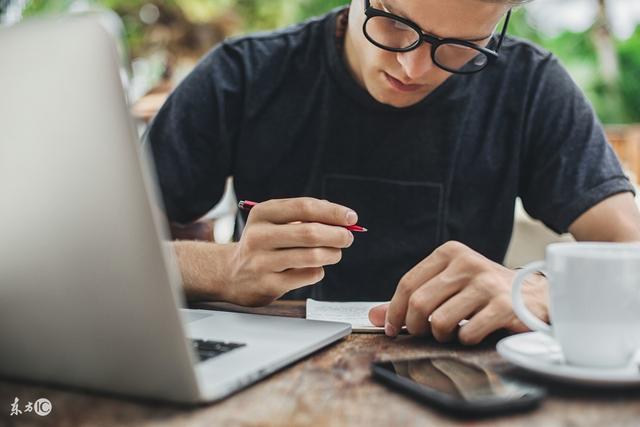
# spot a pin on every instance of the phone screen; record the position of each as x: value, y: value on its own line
x: 457, y: 380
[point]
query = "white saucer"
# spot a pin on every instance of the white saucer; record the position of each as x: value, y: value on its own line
x: 540, y: 353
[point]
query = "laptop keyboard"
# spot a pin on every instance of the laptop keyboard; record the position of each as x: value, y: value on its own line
x: 207, y: 349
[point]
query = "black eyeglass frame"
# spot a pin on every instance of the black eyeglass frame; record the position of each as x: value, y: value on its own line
x: 435, y: 42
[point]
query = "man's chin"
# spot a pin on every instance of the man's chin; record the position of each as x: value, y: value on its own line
x: 399, y: 102
x: 394, y: 98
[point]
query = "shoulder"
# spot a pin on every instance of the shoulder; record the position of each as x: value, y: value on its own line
x: 254, y: 65
x: 533, y: 70
x: 301, y: 42
x: 261, y: 66
x: 291, y: 34
x: 524, y: 49
x: 525, y: 61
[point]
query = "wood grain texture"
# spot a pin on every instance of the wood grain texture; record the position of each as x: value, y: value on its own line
x: 332, y: 387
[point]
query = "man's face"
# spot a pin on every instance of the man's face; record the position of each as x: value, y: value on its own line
x: 403, y: 79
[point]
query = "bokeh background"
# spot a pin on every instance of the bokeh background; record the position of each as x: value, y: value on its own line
x: 598, y: 40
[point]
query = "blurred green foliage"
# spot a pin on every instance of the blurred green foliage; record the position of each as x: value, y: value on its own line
x: 629, y: 51
x: 620, y: 104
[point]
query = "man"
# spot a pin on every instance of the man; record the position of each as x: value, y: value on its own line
x: 419, y: 115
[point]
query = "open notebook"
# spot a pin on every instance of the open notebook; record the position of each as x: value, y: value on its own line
x: 356, y: 313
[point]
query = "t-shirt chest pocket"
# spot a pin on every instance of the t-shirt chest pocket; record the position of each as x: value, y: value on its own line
x: 404, y: 222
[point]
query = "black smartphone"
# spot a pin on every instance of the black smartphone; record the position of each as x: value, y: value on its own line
x: 458, y: 387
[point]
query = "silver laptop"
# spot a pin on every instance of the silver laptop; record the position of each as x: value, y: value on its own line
x: 90, y: 294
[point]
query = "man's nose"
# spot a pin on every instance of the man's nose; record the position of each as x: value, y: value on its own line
x: 416, y: 63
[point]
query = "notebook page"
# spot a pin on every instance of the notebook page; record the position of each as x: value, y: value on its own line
x: 355, y: 313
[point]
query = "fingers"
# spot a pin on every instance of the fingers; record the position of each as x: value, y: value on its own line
x: 284, y: 259
x: 285, y: 246
x: 410, y: 282
x: 377, y: 314
x: 491, y: 318
x: 451, y: 284
x: 275, y: 285
x: 303, y: 235
x: 446, y: 318
x: 305, y: 209
x: 425, y: 300
x: 299, y: 277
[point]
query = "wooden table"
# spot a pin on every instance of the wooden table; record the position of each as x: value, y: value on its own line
x: 332, y: 387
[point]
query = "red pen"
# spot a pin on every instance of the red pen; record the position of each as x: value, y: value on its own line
x: 246, y: 205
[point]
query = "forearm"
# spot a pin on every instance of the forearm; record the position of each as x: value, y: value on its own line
x: 203, y: 267
x: 616, y: 219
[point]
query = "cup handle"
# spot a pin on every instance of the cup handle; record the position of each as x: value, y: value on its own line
x: 519, y: 308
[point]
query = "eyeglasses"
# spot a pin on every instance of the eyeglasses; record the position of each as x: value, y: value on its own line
x: 397, y: 34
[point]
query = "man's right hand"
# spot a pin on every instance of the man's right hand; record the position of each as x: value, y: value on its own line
x: 284, y: 246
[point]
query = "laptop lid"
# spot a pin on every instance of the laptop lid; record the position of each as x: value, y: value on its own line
x: 89, y: 294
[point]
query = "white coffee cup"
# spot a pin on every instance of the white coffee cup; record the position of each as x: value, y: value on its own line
x: 594, y: 301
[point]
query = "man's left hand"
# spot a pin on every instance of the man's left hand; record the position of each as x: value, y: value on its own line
x: 456, y: 283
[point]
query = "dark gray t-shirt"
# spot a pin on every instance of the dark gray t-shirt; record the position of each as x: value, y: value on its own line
x: 281, y: 113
